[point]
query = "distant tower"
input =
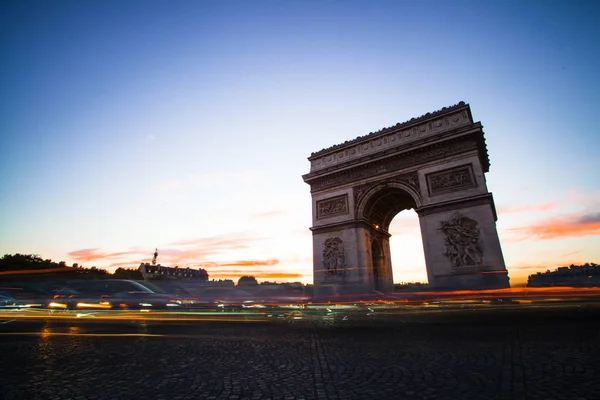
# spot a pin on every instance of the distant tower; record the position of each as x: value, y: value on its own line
x: 155, y: 257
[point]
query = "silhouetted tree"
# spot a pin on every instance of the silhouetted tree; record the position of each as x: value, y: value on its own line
x: 587, y: 274
x: 127, y: 273
x: 11, y: 262
x: 247, y: 280
x: 93, y: 273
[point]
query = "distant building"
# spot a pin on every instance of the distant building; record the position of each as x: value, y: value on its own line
x: 411, y: 287
x: 150, y: 271
x: 587, y: 275
x: 157, y: 271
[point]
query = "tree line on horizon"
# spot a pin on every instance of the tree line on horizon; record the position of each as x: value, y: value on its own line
x: 34, y: 262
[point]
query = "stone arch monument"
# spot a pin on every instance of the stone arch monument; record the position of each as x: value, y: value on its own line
x: 434, y: 164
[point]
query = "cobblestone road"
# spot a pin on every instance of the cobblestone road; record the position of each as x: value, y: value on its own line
x: 552, y: 354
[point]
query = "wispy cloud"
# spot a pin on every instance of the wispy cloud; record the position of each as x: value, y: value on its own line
x: 95, y: 254
x: 201, y: 252
x: 231, y: 241
x: 279, y: 275
x: 260, y: 275
x: 126, y: 264
x: 574, y: 225
x: 533, y: 208
x: 250, y: 263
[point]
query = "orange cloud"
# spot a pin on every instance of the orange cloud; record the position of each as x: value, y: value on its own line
x: 192, y: 253
x: 236, y: 274
x: 279, y: 275
x: 94, y: 254
x: 571, y: 253
x: 126, y: 264
x: 173, y: 256
x: 235, y: 241
x: 569, y: 226
x: 527, y: 208
x: 249, y: 263
x: 197, y: 251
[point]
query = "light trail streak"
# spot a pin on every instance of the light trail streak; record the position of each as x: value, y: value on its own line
x: 246, y: 318
x: 46, y: 334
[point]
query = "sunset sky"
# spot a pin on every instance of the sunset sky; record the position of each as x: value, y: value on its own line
x: 185, y: 125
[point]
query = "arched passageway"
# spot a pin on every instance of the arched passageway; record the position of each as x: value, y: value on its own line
x: 383, y: 204
x: 406, y: 247
x: 378, y: 208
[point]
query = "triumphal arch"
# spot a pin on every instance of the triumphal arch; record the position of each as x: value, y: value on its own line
x: 434, y: 164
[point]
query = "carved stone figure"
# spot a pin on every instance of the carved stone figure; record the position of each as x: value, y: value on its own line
x: 413, y: 181
x: 334, y: 259
x: 462, y: 241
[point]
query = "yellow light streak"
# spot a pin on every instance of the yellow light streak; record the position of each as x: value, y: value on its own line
x: 103, y: 305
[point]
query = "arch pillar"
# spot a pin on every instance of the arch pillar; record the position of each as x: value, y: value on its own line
x: 461, y: 245
x: 350, y: 244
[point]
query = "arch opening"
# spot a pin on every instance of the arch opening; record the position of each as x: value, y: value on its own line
x: 406, y: 249
x: 383, y: 205
x: 387, y: 204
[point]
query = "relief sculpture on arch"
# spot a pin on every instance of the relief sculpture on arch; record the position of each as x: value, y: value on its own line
x: 334, y: 259
x: 462, y: 241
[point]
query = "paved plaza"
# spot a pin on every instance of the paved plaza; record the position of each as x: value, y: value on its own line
x: 547, y: 353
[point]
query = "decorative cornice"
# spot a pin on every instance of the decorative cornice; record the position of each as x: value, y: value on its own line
x: 400, y: 161
x: 396, y: 127
x: 474, y: 130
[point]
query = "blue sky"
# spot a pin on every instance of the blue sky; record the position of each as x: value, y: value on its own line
x: 186, y: 125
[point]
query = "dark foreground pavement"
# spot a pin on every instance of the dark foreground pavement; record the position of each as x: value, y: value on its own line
x: 550, y: 353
